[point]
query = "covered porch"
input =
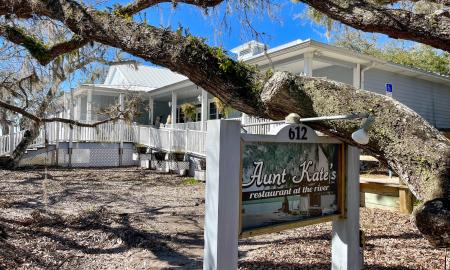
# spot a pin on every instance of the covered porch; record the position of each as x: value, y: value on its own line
x: 166, y: 107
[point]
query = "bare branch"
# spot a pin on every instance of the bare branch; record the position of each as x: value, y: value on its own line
x: 140, y: 5
x: 19, y: 110
x: 80, y: 124
x: 35, y: 118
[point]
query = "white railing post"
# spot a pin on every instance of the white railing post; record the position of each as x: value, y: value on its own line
x: 121, y: 133
x: 186, y: 141
x: 170, y: 140
x: 138, y: 139
x: 71, y: 128
x: 149, y: 136
x: 58, y: 127
x: 12, y: 145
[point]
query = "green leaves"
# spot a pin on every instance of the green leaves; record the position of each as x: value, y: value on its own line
x: 399, y: 52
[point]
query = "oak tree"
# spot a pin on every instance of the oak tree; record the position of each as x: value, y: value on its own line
x: 407, y: 143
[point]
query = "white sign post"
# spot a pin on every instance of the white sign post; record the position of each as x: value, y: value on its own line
x: 224, y: 194
x: 223, y: 148
x: 345, y: 250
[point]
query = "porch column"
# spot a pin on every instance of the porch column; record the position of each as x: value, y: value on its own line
x: 174, y: 108
x: 150, y: 110
x: 64, y: 112
x: 204, y: 109
x: 357, y: 76
x: 308, y: 64
x: 89, y: 106
x: 78, y: 116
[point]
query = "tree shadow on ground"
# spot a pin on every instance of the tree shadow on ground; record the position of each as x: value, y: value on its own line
x: 405, y: 235
x: 116, y: 226
x: 382, y: 267
x: 262, y: 265
x: 326, y: 236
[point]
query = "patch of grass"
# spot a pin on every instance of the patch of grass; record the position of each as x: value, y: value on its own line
x: 190, y: 181
x: 417, y: 202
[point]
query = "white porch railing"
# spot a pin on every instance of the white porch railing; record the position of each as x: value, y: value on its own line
x: 4, y: 145
x: 189, y: 125
x: 185, y: 137
x: 173, y: 140
x: 260, y: 129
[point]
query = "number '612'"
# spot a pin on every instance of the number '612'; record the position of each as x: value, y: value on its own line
x: 297, y: 133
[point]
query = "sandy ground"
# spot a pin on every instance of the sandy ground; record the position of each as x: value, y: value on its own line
x: 133, y: 219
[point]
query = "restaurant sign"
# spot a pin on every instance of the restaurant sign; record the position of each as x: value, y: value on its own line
x: 291, y: 179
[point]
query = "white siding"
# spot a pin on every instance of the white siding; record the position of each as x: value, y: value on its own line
x: 335, y: 73
x: 430, y: 100
x: 83, y: 107
x: 442, y: 105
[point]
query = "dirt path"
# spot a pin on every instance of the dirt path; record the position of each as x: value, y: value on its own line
x: 133, y: 219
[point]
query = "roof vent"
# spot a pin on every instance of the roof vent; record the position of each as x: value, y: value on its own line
x: 249, y: 49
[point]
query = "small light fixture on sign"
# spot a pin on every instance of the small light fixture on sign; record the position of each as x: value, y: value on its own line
x: 360, y: 136
x: 170, y: 104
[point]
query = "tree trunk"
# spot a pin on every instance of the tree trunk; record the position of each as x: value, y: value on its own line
x: 28, y: 138
x: 33, y: 132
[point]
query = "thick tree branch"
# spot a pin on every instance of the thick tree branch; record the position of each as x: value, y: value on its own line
x: 140, y: 5
x: 41, y: 52
x: 430, y: 29
x: 443, y: 2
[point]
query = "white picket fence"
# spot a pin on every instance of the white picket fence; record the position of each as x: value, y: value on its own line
x: 184, y: 137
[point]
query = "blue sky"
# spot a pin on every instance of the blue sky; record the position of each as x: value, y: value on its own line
x: 286, y: 27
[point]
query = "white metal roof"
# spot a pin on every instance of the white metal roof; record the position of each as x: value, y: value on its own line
x: 140, y: 77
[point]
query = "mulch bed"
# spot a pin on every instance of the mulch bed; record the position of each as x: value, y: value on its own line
x: 133, y: 219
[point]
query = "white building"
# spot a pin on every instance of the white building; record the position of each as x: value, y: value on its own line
x: 162, y: 92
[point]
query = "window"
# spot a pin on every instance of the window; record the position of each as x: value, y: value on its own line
x: 212, y: 111
x: 180, y: 116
